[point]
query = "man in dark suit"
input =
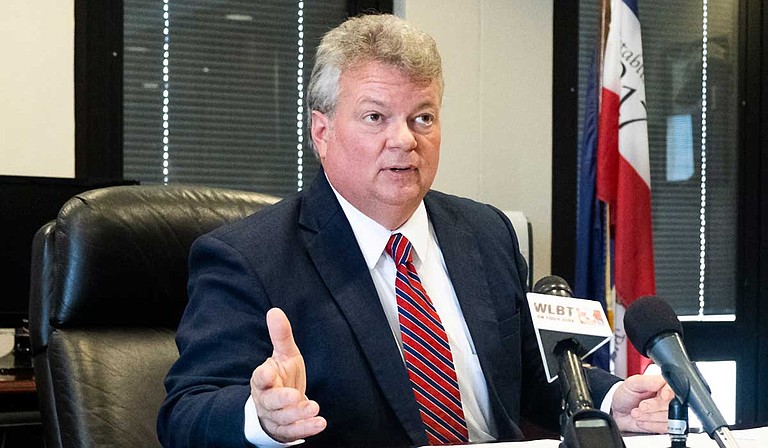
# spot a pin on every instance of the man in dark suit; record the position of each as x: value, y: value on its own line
x: 296, y: 327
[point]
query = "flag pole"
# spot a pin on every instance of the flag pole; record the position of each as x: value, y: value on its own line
x: 604, y: 20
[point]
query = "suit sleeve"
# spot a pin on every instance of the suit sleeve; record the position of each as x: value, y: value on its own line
x: 221, y: 338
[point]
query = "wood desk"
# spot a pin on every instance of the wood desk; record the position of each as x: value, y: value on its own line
x: 18, y: 393
x: 17, y: 384
x: 20, y: 423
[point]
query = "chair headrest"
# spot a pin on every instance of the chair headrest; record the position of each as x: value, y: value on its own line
x: 120, y: 253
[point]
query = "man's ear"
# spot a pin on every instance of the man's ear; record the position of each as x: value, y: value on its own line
x: 321, y: 128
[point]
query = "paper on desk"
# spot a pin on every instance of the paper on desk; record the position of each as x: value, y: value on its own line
x: 544, y: 443
x: 746, y: 438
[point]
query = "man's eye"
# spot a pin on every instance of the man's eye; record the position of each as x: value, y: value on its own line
x: 425, y: 119
x: 373, y: 118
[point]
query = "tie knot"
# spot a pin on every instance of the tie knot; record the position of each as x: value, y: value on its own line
x: 399, y: 248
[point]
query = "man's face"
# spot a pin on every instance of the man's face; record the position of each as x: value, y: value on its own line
x: 381, y: 147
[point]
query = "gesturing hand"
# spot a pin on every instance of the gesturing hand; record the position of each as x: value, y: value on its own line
x: 278, y: 387
x: 641, y: 404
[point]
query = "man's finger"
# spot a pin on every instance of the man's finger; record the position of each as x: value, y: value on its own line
x: 294, y: 431
x: 279, y: 398
x: 280, y: 334
x: 658, y: 427
x: 647, y: 386
x: 265, y: 376
x: 643, y: 384
x: 287, y: 415
x: 651, y: 412
x: 652, y: 405
x: 667, y: 393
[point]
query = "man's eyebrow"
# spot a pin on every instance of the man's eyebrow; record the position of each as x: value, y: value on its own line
x: 371, y: 100
x: 381, y: 104
x: 427, y: 104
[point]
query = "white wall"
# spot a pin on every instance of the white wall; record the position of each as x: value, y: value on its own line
x: 37, y: 105
x: 497, y: 110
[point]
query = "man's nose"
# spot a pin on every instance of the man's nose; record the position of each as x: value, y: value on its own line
x: 401, y: 136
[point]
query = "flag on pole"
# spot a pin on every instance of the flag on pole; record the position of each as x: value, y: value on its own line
x: 621, y: 177
x: 623, y: 172
x: 589, y: 281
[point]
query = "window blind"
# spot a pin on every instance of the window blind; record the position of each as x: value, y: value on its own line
x: 213, y: 91
x: 691, y: 74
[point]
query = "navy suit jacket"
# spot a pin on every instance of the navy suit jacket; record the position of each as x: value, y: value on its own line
x: 301, y: 255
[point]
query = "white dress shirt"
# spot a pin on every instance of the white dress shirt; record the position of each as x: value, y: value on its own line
x: 372, y: 238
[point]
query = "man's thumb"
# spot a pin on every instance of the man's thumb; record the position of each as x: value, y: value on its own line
x: 280, y: 334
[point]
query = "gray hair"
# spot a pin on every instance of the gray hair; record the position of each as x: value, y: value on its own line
x: 365, y: 39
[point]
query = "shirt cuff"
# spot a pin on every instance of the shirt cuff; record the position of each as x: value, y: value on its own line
x: 605, y: 406
x: 255, y: 434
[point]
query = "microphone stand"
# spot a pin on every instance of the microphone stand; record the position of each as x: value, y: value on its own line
x: 678, y: 427
x: 724, y: 438
x: 582, y: 425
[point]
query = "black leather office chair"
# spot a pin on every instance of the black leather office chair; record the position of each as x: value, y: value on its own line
x: 108, y: 286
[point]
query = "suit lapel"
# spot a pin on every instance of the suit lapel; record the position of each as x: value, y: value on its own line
x: 465, y: 268
x: 334, y: 251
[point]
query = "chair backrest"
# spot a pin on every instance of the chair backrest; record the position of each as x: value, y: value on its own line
x: 524, y: 232
x: 108, y: 287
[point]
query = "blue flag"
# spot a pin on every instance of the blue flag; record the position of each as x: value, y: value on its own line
x: 589, y: 281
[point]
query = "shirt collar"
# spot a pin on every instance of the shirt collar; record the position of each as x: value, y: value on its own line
x: 372, y: 237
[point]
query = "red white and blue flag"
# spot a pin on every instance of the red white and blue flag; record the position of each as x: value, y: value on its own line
x: 622, y: 181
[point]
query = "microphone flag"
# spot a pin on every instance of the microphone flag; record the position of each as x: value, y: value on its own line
x: 557, y: 319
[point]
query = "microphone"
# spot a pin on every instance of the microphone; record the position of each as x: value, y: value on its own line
x: 573, y: 381
x: 553, y: 285
x: 655, y: 331
x: 582, y: 425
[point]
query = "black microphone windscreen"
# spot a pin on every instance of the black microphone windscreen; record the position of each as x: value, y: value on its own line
x: 553, y: 285
x: 648, y: 317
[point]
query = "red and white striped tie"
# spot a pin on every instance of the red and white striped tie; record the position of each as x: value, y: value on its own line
x: 426, y: 352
